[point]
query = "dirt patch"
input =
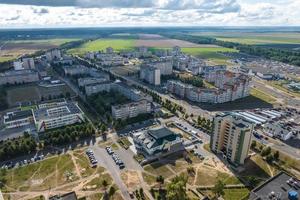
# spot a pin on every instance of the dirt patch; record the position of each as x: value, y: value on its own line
x: 131, y: 179
x: 167, y: 43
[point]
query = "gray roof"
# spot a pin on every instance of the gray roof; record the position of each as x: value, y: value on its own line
x: 18, y: 115
x: 278, y: 185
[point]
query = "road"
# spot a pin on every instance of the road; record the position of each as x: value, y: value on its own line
x: 281, y: 96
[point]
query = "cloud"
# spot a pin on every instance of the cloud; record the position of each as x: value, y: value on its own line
x: 40, y: 11
x: 139, y: 13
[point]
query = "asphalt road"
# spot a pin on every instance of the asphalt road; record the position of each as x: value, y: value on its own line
x: 106, y: 161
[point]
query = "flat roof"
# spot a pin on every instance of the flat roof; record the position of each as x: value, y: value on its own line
x: 160, y: 133
x: 12, y: 116
x: 277, y: 185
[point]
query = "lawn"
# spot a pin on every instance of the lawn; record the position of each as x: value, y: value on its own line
x: 235, y: 194
x: 102, y: 44
x: 210, y: 53
x: 158, y: 169
x: 39, y: 176
x: 263, y: 96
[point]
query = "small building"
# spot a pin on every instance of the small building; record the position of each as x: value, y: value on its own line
x: 67, y: 196
x: 280, y: 187
x: 18, y: 119
x: 157, y: 142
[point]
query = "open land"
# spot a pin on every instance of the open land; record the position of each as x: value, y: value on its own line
x: 13, y: 49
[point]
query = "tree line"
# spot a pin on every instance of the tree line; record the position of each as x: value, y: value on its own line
x: 3, y: 101
x: 195, y: 81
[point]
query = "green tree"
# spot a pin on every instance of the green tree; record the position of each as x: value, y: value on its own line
x: 276, y: 155
x: 176, y: 190
x: 218, y: 189
x: 253, y: 144
x: 111, y: 191
x: 266, y: 151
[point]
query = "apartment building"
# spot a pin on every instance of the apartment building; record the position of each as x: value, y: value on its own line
x: 54, y: 54
x: 82, y: 82
x: 24, y: 63
x: 150, y: 75
x: 130, y: 110
x: 18, y: 119
x: 98, y: 87
x: 76, y: 70
x: 231, y: 136
x: 165, y: 67
x: 54, y: 117
x: 19, y: 77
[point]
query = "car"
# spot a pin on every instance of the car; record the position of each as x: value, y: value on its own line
x: 122, y: 166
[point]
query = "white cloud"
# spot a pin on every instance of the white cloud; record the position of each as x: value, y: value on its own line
x: 144, y: 13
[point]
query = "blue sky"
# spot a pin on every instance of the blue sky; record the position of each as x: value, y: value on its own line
x: 89, y: 13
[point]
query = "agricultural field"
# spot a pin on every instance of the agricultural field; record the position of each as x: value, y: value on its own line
x: 102, y: 44
x: 10, y: 50
x: 256, y: 38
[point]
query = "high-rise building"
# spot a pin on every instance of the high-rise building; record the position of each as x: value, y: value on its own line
x: 150, y: 75
x: 231, y: 136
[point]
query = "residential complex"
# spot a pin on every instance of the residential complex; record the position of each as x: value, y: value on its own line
x: 54, y: 54
x: 130, y: 110
x: 50, y: 116
x: 150, y: 75
x: 19, y: 77
x: 156, y: 142
x: 231, y: 136
x: 24, y: 63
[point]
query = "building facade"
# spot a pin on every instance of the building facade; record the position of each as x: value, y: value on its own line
x: 19, y: 77
x: 130, y: 110
x: 231, y: 136
x: 150, y: 75
x: 18, y: 119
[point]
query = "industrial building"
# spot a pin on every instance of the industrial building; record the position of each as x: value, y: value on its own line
x: 231, y: 136
x: 18, y: 119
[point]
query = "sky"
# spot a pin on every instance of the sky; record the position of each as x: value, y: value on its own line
x: 107, y: 13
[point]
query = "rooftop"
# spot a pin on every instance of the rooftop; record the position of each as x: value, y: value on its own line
x: 12, y: 116
x: 160, y: 133
x: 278, y: 186
x: 68, y: 196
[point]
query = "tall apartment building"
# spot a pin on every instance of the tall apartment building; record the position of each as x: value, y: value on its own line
x: 231, y: 136
x: 54, y: 54
x: 24, y: 63
x: 130, y: 110
x: 150, y: 75
x: 165, y: 67
x: 48, y: 117
x: 19, y: 77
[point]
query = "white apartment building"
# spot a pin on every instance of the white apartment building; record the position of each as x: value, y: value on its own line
x: 76, y: 70
x: 18, y: 119
x: 54, y: 54
x: 19, y: 77
x: 54, y: 117
x: 231, y: 136
x: 150, y: 75
x: 90, y: 80
x: 130, y: 110
x: 98, y: 87
x: 165, y: 67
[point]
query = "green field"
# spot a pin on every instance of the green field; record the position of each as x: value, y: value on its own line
x: 102, y: 44
x: 263, y: 96
x: 210, y: 53
x: 256, y: 38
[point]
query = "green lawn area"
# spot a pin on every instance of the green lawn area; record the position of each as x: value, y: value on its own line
x: 158, y: 169
x: 6, y: 58
x: 149, y: 179
x: 235, y: 194
x: 210, y: 53
x: 102, y: 44
x: 263, y: 96
x: 56, y: 41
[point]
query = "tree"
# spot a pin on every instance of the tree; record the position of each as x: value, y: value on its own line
x: 276, y: 155
x: 104, y: 183
x: 111, y: 191
x: 176, y: 190
x: 218, y: 189
x: 270, y: 158
x: 253, y: 144
x: 160, y: 179
x: 266, y: 151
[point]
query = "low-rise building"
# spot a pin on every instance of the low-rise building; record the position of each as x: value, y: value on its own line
x: 82, y: 82
x: 281, y: 130
x: 157, y: 142
x: 18, y: 119
x: 279, y: 187
x: 130, y: 110
x: 54, y: 117
x: 19, y: 77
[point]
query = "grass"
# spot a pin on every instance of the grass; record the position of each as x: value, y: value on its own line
x: 149, y: 179
x: 158, y: 169
x: 207, y: 147
x: 102, y: 44
x: 39, y: 176
x: 279, y: 85
x: 210, y: 53
x: 235, y: 194
x: 96, y: 183
x: 56, y: 41
x: 263, y: 96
